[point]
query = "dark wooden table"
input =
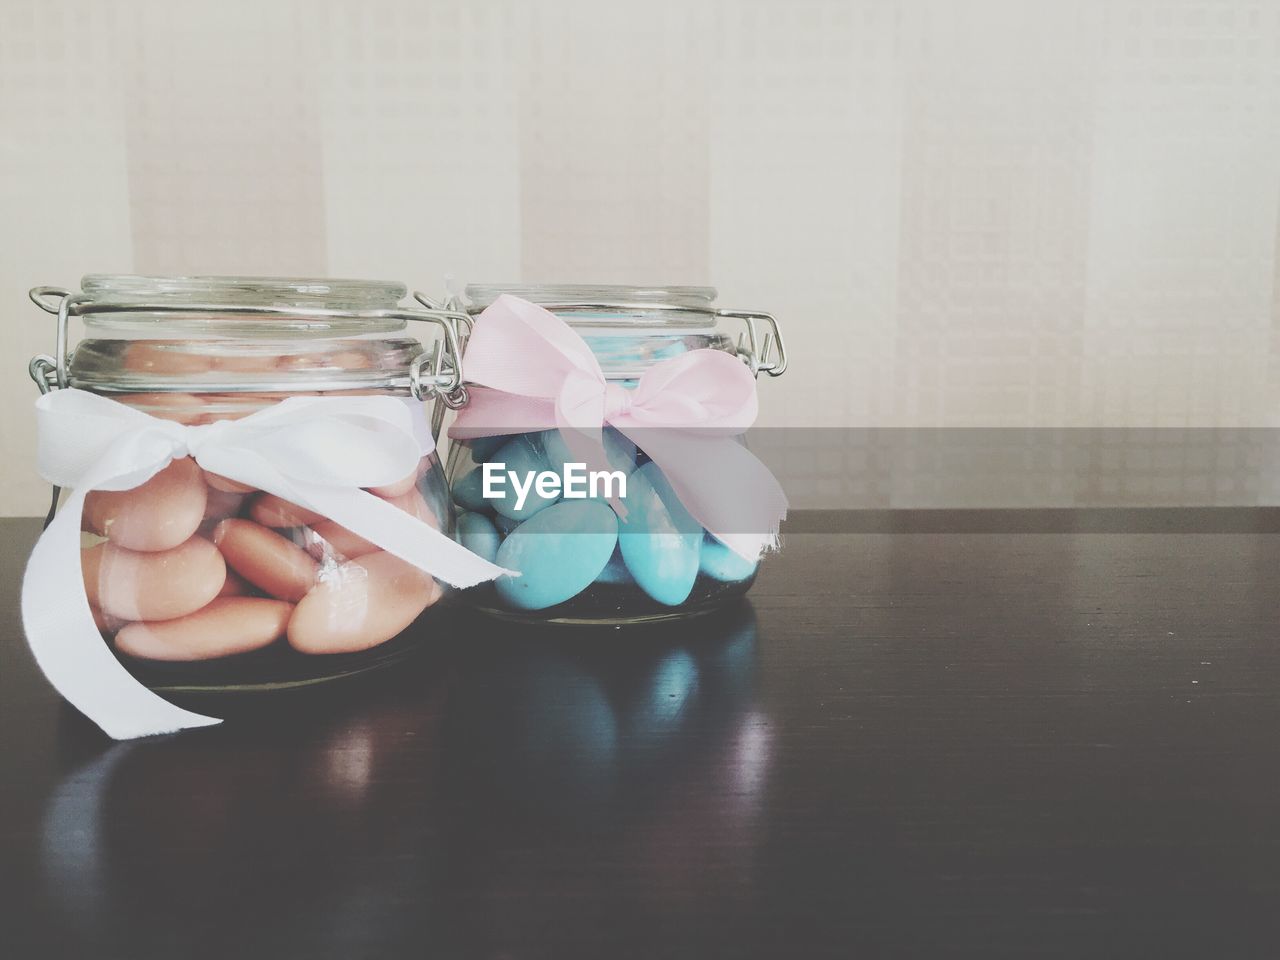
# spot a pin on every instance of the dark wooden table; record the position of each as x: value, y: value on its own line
x: 933, y: 734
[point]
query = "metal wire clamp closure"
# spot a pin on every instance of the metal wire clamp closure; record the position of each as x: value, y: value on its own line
x: 762, y: 351
x: 435, y: 373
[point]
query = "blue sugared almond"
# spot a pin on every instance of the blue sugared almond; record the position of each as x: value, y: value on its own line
x: 660, y: 541
x: 559, y: 552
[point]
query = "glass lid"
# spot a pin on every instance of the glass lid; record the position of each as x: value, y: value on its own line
x: 238, y: 306
x: 587, y: 304
x: 628, y: 328
x: 235, y: 291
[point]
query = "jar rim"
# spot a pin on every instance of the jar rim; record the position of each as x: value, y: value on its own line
x: 252, y: 307
x: 231, y: 291
x: 593, y: 304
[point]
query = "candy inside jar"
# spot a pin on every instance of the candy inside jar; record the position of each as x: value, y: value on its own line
x: 577, y: 559
x: 191, y: 566
x: 204, y: 582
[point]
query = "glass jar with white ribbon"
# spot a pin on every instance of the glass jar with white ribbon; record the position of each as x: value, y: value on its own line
x: 251, y: 497
x: 599, y: 451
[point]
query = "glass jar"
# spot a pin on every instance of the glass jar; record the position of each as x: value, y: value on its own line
x: 608, y: 576
x: 198, y: 582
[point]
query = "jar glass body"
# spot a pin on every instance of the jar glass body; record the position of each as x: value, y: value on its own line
x: 200, y: 583
x: 579, y: 564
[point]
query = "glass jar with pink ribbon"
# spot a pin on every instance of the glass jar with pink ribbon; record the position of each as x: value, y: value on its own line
x: 250, y: 494
x: 598, y: 451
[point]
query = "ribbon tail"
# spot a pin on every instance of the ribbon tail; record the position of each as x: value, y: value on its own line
x: 397, y: 533
x: 722, y: 484
x: 68, y: 647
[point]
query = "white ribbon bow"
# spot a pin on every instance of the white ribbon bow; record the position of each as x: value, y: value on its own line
x: 316, y: 452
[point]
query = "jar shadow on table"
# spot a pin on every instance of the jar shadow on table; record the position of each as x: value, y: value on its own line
x: 313, y: 816
x: 571, y: 719
x: 285, y: 820
x: 591, y: 767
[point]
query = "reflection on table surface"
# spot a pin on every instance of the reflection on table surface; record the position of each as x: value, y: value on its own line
x: 428, y: 803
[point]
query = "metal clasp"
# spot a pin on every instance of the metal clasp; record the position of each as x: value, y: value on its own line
x: 438, y: 374
x: 756, y: 349
x: 50, y: 372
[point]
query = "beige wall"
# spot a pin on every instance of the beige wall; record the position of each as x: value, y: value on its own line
x: 967, y: 212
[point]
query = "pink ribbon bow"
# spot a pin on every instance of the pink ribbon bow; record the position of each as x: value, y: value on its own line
x: 528, y: 370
